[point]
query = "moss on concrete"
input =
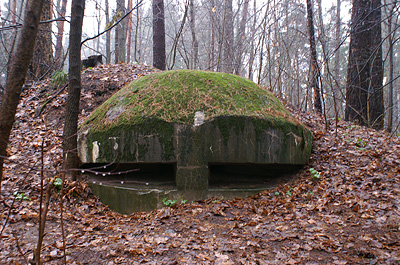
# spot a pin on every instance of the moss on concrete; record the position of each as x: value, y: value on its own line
x: 175, y: 96
x: 151, y: 126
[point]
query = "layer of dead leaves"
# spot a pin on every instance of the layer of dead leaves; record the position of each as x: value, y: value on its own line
x: 350, y: 215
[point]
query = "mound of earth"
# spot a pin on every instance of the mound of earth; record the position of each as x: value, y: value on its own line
x: 194, y: 120
x: 98, y: 84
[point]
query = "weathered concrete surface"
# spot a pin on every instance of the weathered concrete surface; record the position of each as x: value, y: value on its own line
x: 126, y: 200
x: 204, y: 136
x: 192, y: 148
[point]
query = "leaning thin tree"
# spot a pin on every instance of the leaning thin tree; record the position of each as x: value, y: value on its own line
x: 70, y: 154
x: 16, y: 75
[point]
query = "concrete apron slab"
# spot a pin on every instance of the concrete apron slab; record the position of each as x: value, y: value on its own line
x: 127, y: 200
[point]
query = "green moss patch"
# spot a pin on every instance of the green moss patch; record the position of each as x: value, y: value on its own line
x: 175, y: 96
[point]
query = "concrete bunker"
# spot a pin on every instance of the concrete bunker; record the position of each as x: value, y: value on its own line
x: 204, y: 133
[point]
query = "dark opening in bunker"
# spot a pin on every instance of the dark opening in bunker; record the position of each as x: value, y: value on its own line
x: 249, y: 175
x: 133, y: 175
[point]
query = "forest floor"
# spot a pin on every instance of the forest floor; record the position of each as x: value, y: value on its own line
x: 348, y: 212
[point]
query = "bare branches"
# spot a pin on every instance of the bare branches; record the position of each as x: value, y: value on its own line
x: 115, y: 24
x: 18, y: 25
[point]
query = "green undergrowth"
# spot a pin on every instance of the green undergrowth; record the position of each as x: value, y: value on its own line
x: 175, y: 96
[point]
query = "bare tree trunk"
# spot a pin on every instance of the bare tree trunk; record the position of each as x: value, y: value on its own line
x: 364, y: 93
x: 228, y: 39
x: 260, y: 66
x: 129, y: 33
x: 108, y: 34
x: 212, y: 44
x: 241, y: 38
x: 252, y: 46
x: 314, y: 71
x: 70, y: 155
x: 16, y: 75
x: 14, y: 16
x: 195, y: 43
x: 336, y: 88
x: 98, y: 22
x: 391, y: 69
x: 60, y: 33
x: 14, y: 12
x: 137, y: 32
x: 158, y: 35
x: 120, y: 37
x: 221, y: 42
x: 42, y: 61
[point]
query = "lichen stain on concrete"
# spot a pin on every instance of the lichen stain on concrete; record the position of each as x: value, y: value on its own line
x: 95, y: 151
x: 114, y: 113
x: 199, y: 117
x: 83, y: 146
x: 114, y: 140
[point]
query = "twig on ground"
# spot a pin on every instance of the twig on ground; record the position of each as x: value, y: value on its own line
x: 20, y: 250
x: 50, y: 99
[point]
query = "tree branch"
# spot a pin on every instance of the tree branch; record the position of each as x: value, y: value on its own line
x: 41, y: 22
x: 115, y: 24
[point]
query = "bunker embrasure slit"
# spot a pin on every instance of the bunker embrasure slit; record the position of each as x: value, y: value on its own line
x: 248, y: 176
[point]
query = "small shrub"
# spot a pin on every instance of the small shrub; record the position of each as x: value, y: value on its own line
x: 21, y: 196
x: 314, y: 173
x: 360, y: 142
x: 290, y: 192
x: 170, y: 203
x: 351, y: 127
x: 58, y: 183
x: 59, y: 78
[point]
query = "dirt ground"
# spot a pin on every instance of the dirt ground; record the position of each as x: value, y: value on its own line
x: 345, y: 212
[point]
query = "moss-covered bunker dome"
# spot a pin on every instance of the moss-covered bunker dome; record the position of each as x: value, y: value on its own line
x: 193, y: 119
x: 175, y: 96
